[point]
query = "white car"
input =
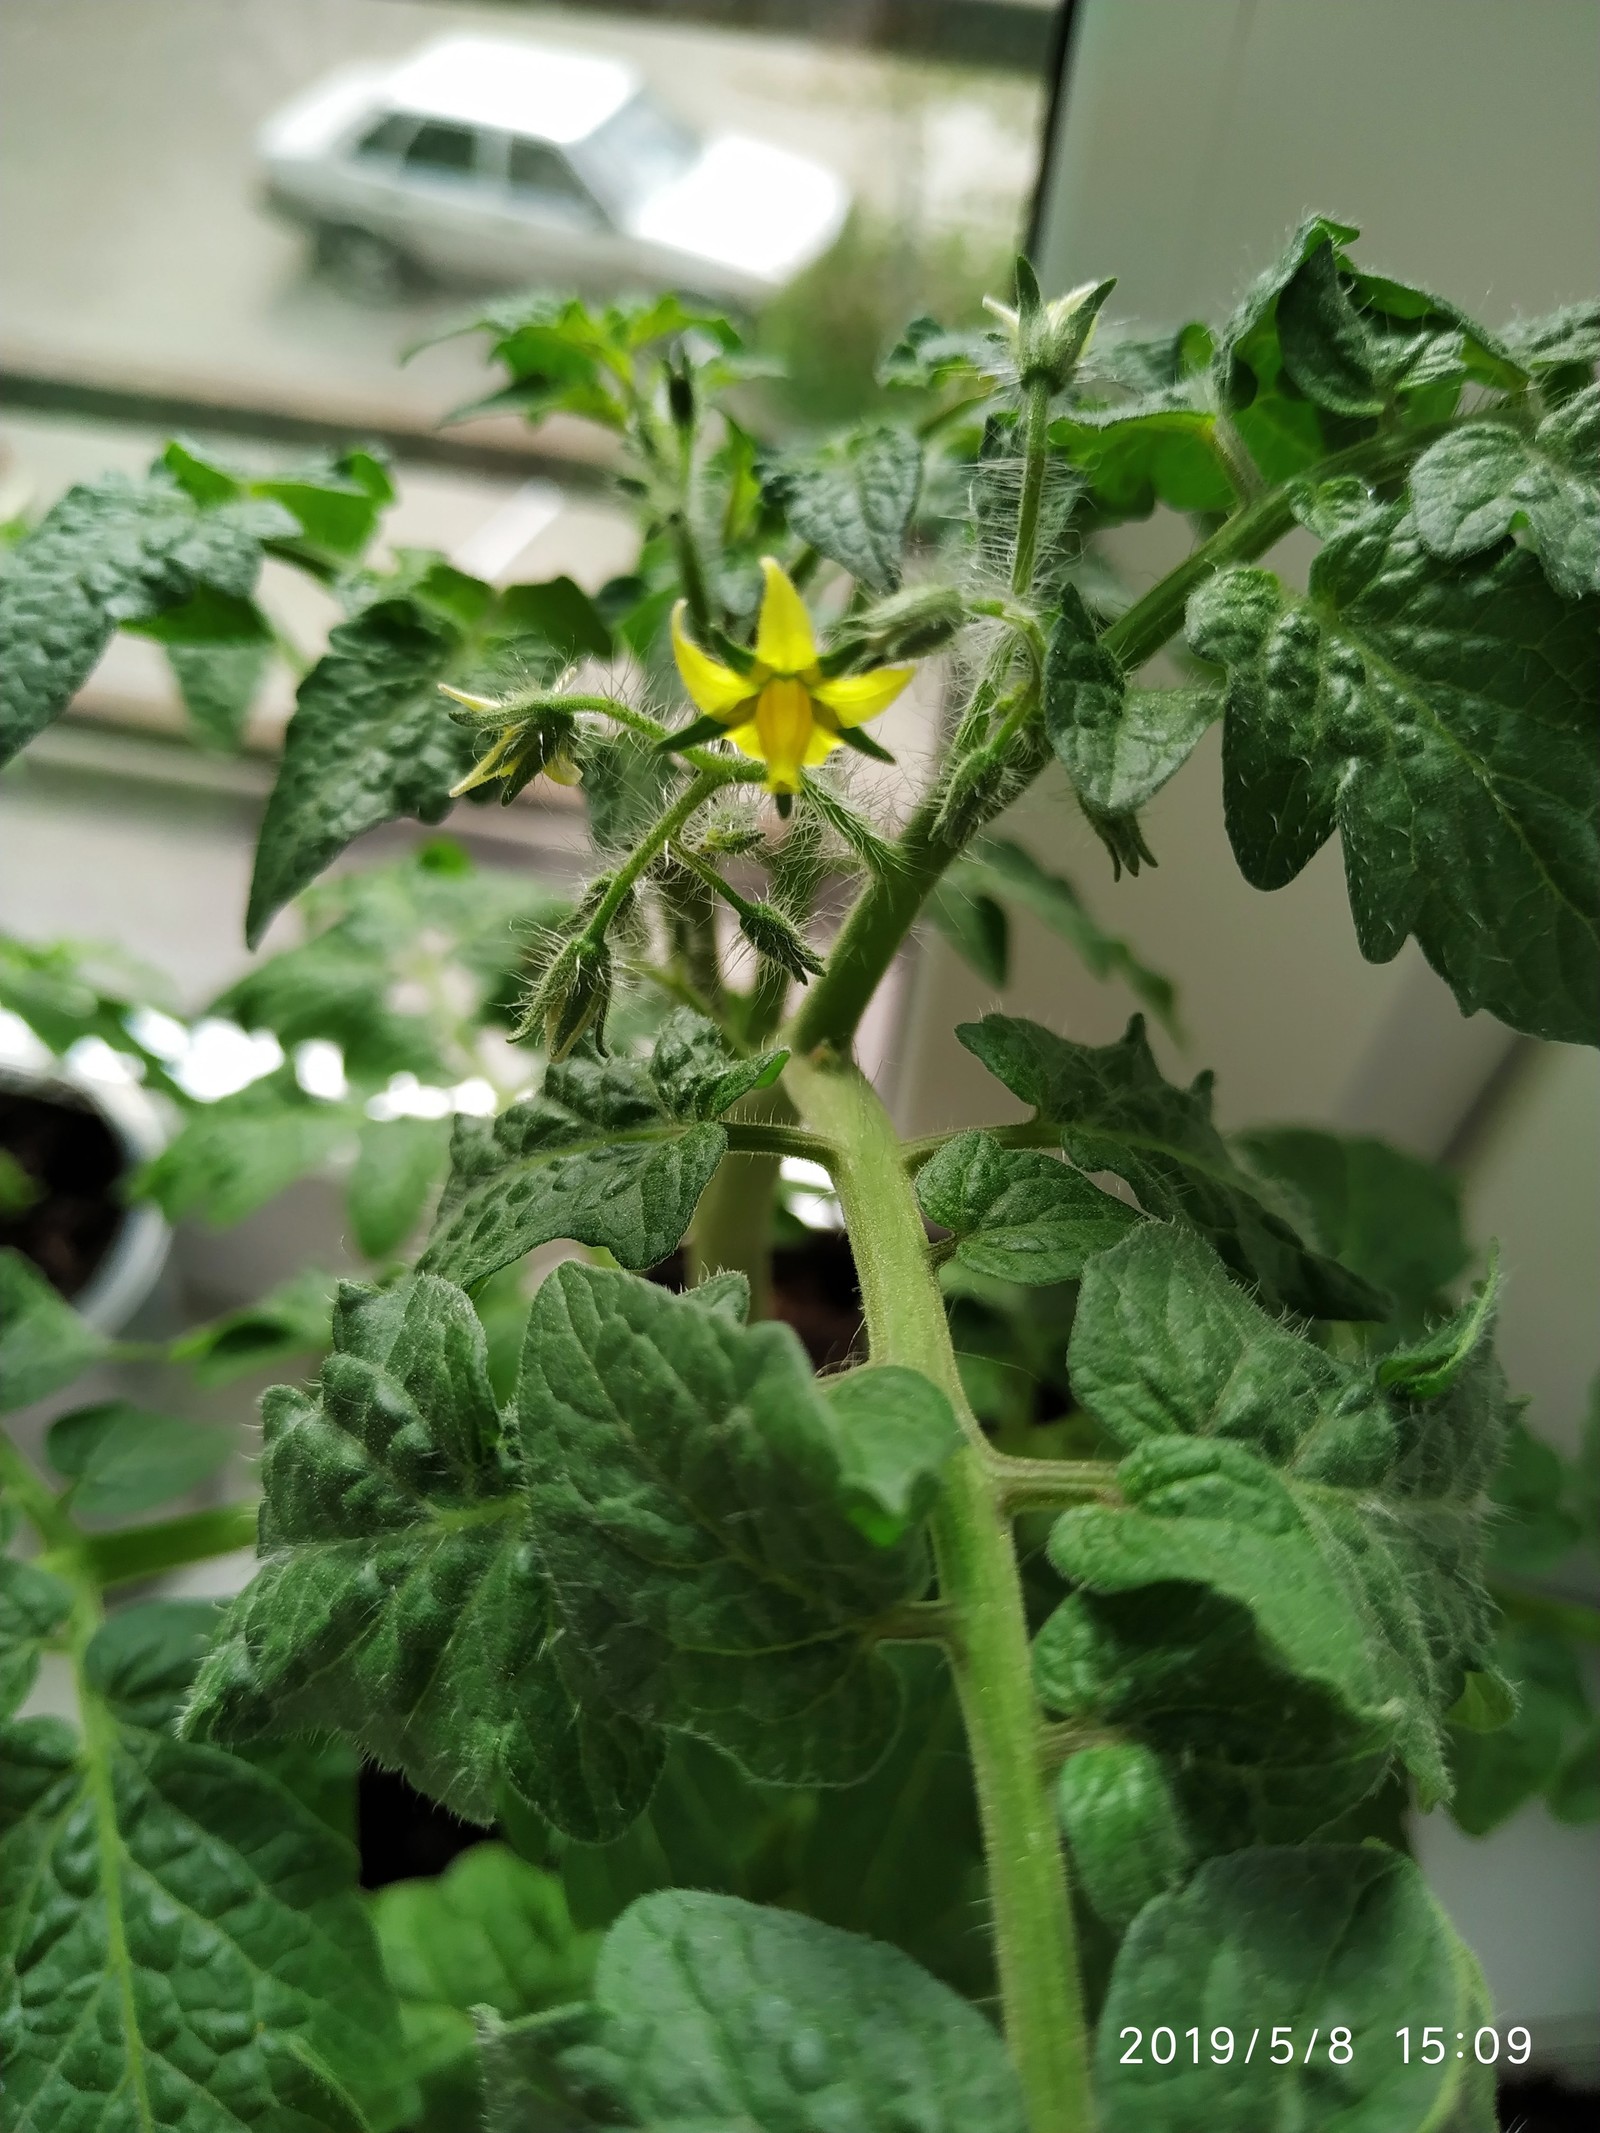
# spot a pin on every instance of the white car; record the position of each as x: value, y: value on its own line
x: 489, y: 161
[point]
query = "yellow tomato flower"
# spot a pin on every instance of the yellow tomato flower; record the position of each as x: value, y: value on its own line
x: 784, y: 712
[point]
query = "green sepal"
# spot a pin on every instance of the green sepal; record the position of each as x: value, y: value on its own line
x: 694, y: 735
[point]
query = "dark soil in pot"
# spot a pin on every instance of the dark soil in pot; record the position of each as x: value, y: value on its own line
x: 74, y: 1163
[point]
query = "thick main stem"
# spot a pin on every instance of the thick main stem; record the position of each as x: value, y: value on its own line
x: 979, y: 1584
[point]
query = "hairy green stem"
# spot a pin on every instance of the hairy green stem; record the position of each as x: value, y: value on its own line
x: 1035, y: 452
x: 887, y: 907
x: 759, y: 1136
x: 980, y: 1586
x: 655, y: 840
x: 1049, y: 1484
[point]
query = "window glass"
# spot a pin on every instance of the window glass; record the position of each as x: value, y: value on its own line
x: 539, y: 172
x: 388, y: 138
x: 636, y: 152
x: 441, y: 150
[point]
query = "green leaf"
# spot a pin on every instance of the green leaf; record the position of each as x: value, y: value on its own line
x: 863, y: 1860
x: 1386, y: 1215
x: 852, y: 501
x: 121, y: 1459
x: 490, y: 1932
x: 398, y: 1601
x: 398, y: 1162
x: 1117, y: 1112
x: 1539, y: 1522
x: 1266, y: 1471
x: 1283, y: 431
x: 613, y: 1153
x: 186, y: 1941
x: 557, y: 611
x: 896, y: 1431
x: 1118, y: 745
x: 231, y: 1157
x: 1251, y: 1754
x: 109, y: 552
x: 690, y: 1496
x: 713, y: 2012
x: 1018, y: 1216
x: 219, y: 683
x: 1303, y: 1941
x: 1499, y: 1771
x: 33, y: 1608
x: 1568, y: 337
x: 997, y: 867
x: 1439, y: 715
x: 1485, y: 480
x: 1154, y: 450
x: 294, y: 1318
x: 369, y: 741
x: 1124, y: 1828
x: 974, y: 924
x: 44, y: 1344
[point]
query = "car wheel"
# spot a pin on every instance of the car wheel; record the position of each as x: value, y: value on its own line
x: 367, y: 269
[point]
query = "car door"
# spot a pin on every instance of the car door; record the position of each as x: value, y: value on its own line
x: 550, y: 227
x: 449, y: 180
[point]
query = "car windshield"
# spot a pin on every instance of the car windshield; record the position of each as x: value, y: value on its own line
x: 634, y: 153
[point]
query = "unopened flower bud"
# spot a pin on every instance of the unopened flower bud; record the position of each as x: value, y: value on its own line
x: 772, y: 937
x: 907, y: 625
x: 571, y: 998
x: 1049, y: 339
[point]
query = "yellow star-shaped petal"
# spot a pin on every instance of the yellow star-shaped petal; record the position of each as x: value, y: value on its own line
x: 783, y: 712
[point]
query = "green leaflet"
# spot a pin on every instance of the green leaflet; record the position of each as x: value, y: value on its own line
x: 696, y: 1503
x: 1568, y: 338
x: 1344, y: 1518
x: 1303, y: 1941
x: 1123, y: 1825
x: 33, y: 1606
x: 1500, y: 1770
x: 369, y: 741
x: 110, y: 552
x: 1018, y: 1216
x: 1118, y: 745
x: 232, y: 1156
x: 1283, y: 430
x: 219, y: 683
x: 1157, y: 449
x: 121, y: 1459
x: 1117, y: 1112
x: 613, y: 1152
x: 1386, y: 1215
x: 183, y: 1941
x: 428, y: 925
x: 398, y: 1162
x: 1439, y: 716
x: 44, y: 1344
x: 853, y: 500
x: 294, y: 1318
x: 398, y: 1602
x: 712, y: 2013
x: 1251, y: 1754
x: 490, y: 1932
x: 1487, y: 479
x: 968, y: 909
x: 336, y: 501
